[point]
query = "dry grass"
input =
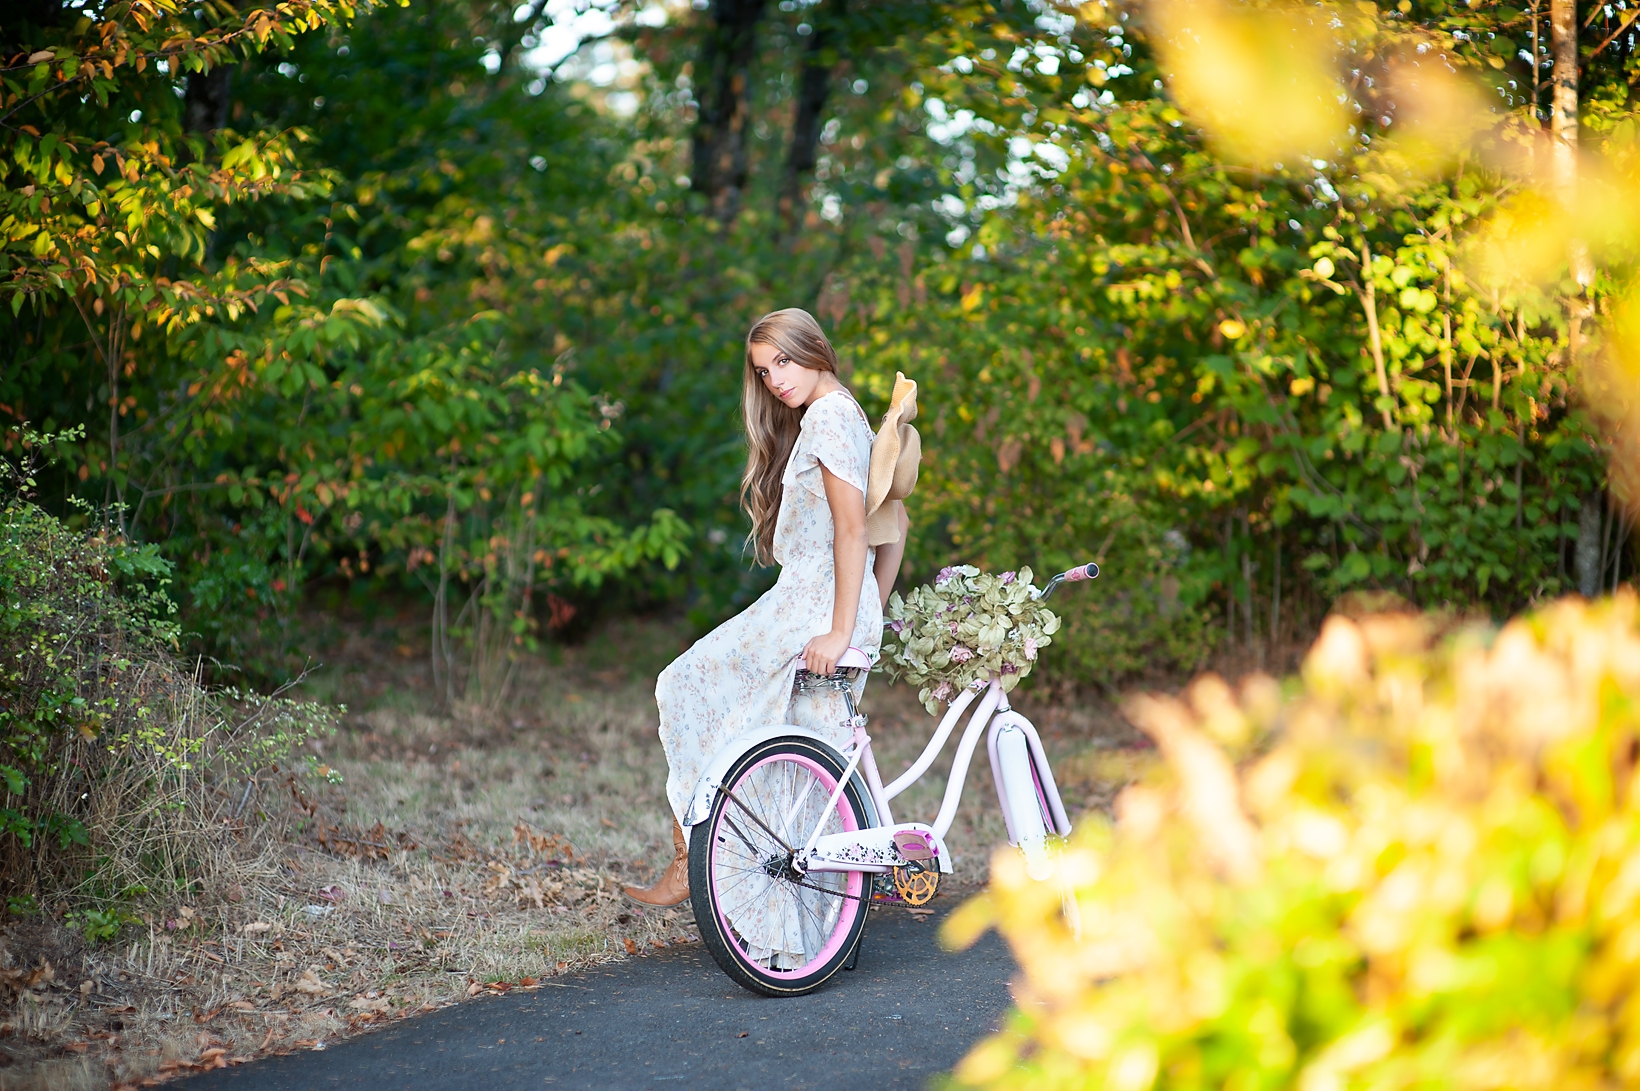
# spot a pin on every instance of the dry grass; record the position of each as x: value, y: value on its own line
x: 459, y: 853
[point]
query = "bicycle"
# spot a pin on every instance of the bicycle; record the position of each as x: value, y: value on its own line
x: 783, y: 875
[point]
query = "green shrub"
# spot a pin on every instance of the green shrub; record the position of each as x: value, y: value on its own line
x: 113, y: 757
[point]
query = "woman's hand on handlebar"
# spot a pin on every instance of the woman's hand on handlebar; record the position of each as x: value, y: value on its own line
x: 821, y: 654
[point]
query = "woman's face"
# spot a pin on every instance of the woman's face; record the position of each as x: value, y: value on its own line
x: 792, y: 383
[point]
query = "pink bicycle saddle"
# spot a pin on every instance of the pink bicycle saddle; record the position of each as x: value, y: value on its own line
x: 853, y: 660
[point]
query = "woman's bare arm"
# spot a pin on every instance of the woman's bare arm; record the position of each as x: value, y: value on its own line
x: 889, y: 556
x: 848, y: 550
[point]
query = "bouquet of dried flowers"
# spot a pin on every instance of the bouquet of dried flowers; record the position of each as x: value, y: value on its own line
x: 966, y: 627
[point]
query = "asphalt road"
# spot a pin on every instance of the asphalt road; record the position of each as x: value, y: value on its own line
x: 672, y: 1019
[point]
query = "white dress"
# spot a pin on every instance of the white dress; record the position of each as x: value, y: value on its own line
x: 738, y: 677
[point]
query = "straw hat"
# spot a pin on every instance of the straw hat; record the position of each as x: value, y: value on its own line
x: 894, y: 457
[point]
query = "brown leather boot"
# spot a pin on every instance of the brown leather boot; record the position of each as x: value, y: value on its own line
x: 672, y: 888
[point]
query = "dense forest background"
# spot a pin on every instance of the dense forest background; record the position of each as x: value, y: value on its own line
x: 438, y: 299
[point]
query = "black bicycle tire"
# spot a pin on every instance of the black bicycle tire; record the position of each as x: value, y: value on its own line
x: 721, y: 946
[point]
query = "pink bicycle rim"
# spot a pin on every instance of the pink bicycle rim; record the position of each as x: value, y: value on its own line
x: 851, y: 904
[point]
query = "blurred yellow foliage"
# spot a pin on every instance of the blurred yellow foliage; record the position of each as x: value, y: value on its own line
x: 1263, y: 80
x: 1528, y: 239
x: 1439, y: 113
x: 1420, y: 866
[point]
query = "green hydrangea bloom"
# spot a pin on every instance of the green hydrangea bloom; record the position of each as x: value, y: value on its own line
x: 965, y: 627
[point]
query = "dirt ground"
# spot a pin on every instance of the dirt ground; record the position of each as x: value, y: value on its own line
x: 459, y: 852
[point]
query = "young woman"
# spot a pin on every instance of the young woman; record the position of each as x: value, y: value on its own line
x: 804, y: 489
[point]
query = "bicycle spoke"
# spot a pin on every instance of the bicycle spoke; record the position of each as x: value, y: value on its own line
x: 797, y: 806
x: 753, y: 816
x: 748, y: 841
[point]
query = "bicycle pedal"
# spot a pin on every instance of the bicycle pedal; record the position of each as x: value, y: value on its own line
x: 914, y: 846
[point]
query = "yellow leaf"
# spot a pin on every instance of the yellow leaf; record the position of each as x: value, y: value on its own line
x: 1438, y: 113
x: 1264, y: 83
x: 967, y: 923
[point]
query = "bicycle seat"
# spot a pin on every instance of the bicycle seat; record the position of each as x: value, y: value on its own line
x: 854, y: 660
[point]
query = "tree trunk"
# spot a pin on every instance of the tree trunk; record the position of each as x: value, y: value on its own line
x: 1563, y: 130
x: 723, y: 86
x: 812, y: 90
x: 207, y: 99
x: 1586, y: 561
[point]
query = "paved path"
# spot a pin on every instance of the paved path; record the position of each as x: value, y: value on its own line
x: 672, y: 1019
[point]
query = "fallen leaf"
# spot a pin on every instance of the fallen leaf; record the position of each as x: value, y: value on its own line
x: 256, y: 927
x: 310, y: 983
x: 367, y: 1003
x: 631, y: 948
x: 526, y: 981
x: 742, y: 1034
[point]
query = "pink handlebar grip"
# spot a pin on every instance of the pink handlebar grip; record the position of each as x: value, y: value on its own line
x: 1082, y: 572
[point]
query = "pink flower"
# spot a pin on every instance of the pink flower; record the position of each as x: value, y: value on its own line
x: 1009, y: 668
x: 945, y: 574
x: 960, y: 654
x: 944, y: 691
x: 1030, y: 648
x: 1006, y: 578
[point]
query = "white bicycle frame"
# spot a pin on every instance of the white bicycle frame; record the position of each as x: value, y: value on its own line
x: 1019, y: 767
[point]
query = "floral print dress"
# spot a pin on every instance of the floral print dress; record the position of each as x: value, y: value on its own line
x: 738, y: 677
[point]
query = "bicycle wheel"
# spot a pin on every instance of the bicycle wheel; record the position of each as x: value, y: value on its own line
x: 771, y: 930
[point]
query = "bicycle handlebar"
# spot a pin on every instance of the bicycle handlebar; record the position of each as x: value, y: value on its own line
x: 1081, y: 572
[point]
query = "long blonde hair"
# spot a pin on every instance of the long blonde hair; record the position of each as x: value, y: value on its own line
x: 771, y: 425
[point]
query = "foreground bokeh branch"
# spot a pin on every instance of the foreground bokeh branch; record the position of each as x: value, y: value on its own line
x: 1420, y: 872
